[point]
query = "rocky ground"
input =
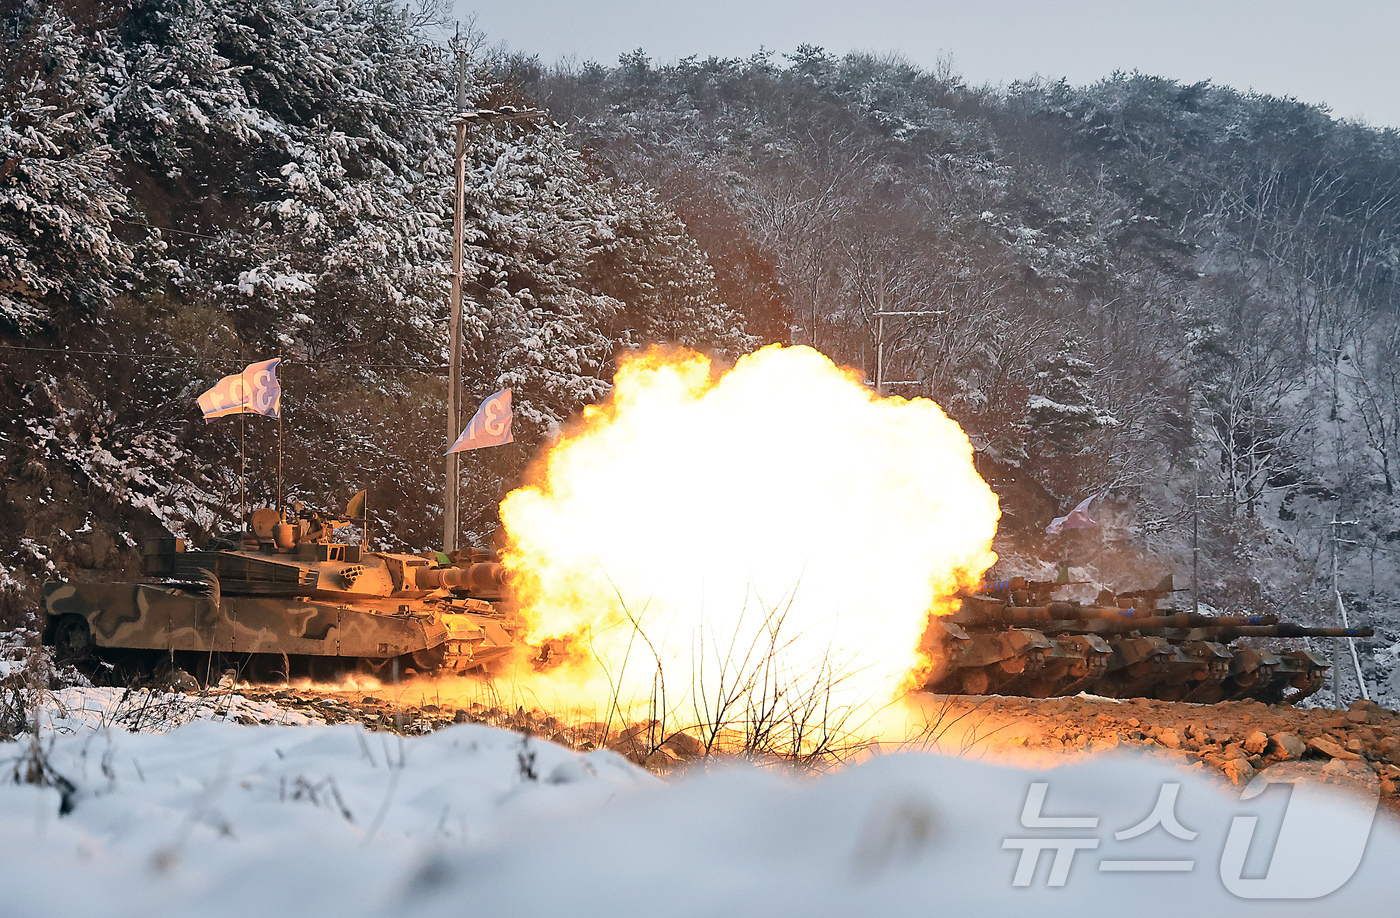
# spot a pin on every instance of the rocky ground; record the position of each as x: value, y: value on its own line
x: 388, y: 710
x: 1233, y: 739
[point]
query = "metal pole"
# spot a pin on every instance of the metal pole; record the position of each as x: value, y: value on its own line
x: 1342, y: 613
x: 242, y: 473
x: 242, y: 447
x: 279, y: 452
x: 454, y: 335
x: 880, y: 355
x: 1351, y: 643
x: 1196, y: 548
x: 1336, y: 651
x: 880, y: 335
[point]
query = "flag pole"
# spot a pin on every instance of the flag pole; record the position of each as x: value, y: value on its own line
x: 279, y: 445
x: 242, y: 472
x: 242, y: 445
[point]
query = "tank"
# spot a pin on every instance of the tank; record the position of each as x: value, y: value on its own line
x: 286, y: 597
x: 1011, y: 637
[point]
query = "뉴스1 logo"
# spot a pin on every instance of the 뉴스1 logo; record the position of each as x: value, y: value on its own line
x: 1314, y: 820
x: 1319, y: 845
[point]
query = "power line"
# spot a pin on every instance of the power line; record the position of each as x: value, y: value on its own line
x: 166, y: 229
x: 178, y: 358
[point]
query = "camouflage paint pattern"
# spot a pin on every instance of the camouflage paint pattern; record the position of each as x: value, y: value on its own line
x: 146, y: 616
x: 1115, y: 649
x: 319, y: 599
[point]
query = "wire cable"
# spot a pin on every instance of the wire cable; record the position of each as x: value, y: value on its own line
x: 199, y: 359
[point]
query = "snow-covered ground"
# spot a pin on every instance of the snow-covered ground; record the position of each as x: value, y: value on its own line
x: 218, y: 818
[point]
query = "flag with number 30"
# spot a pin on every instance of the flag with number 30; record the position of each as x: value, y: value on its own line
x: 489, y: 427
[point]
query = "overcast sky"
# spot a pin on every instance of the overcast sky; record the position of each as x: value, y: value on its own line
x: 1342, y: 53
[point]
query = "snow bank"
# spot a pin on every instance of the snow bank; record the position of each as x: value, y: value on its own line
x: 88, y: 708
x: 220, y: 819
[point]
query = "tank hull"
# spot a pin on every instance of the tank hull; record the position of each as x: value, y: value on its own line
x: 439, y: 633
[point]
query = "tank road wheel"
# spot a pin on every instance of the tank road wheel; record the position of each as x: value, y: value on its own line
x: 975, y: 681
x: 72, y: 640
x: 429, y: 659
x: 491, y: 668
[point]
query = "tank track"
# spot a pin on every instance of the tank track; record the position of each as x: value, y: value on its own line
x: 1026, y: 661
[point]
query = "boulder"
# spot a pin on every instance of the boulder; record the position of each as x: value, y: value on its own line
x: 660, y: 760
x: 1287, y: 746
x: 1239, y: 771
x: 1256, y: 742
x: 1100, y: 743
x: 683, y: 745
x: 1331, y: 750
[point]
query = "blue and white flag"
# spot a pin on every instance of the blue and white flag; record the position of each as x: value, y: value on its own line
x: 1078, y: 518
x: 254, y: 391
x: 490, y: 426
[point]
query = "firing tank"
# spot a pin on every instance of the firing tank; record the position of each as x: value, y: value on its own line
x: 1011, y: 637
x: 285, y: 597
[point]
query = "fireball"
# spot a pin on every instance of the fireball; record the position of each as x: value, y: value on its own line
x: 758, y: 542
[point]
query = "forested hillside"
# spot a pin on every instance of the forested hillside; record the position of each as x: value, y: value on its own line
x: 191, y: 185
x: 1137, y: 289
x: 1179, y: 298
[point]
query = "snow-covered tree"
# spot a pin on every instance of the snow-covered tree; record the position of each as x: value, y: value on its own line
x: 1062, y: 410
x: 61, y: 252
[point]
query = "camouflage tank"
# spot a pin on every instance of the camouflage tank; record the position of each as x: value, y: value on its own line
x: 286, y: 598
x: 1011, y: 637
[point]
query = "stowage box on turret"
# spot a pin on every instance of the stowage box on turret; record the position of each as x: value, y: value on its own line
x: 286, y: 595
x: 1012, y: 638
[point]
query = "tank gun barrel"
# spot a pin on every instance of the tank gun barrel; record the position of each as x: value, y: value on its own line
x: 1286, y: 630
x: 479, y: 577
x: 1120, y: 624
x: 1101, y: 617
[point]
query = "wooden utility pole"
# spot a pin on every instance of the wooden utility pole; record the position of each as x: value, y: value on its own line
x: 451, y: 524
x: 454, y: 326
x: 880, y: 315
x: 880, y: 335
x: 880, y: 382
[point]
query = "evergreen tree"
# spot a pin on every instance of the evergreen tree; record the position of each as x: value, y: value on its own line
x: 61, y: 254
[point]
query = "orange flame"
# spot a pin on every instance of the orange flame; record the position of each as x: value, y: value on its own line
x: 777, y: 528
